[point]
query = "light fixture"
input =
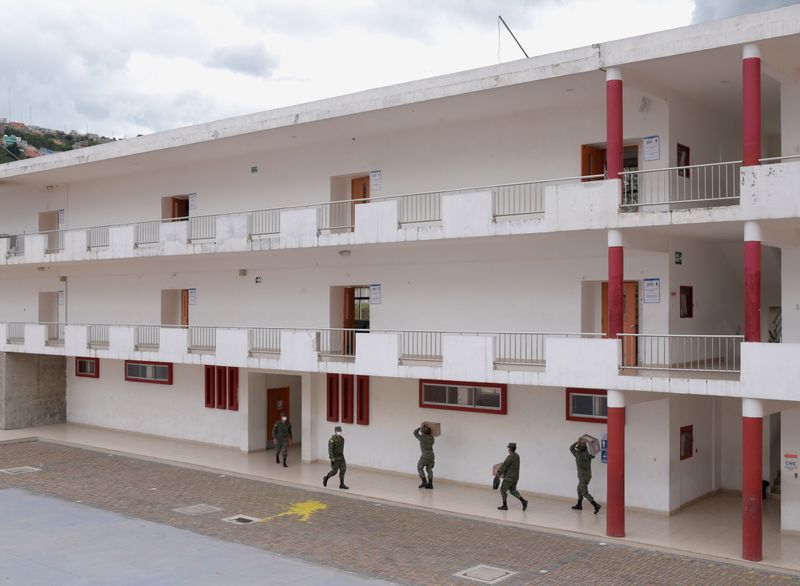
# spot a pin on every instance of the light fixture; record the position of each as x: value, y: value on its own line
x: 344, y: 253
x: 50, y: 187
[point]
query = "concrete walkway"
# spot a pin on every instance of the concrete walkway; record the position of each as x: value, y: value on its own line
x: 710, y: 527
x: 49, y: 541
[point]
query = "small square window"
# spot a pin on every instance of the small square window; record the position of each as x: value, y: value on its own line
x: 687, y: 301
x: 687, y: 442
x: 87, y: 367
x: 587, y: 405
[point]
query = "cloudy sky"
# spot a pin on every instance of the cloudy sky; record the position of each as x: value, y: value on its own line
x: 123, y: 67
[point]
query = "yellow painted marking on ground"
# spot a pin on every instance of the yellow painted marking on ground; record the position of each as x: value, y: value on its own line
x: 302, y: 510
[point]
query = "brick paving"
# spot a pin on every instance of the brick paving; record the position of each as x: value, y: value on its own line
x: 401, y: 544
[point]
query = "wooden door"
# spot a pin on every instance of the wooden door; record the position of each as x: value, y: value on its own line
x: 349, y: 321
x: 184, y: 307
x: 179, y: 207
x: 630, y: 317
x: 359, y: 193
x: 593, y: 161
x: 277, y: 403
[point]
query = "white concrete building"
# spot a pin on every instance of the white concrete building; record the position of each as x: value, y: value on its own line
x: 602, y: 240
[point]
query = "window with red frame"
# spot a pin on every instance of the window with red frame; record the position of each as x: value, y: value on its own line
x: 463, y: 396
x: 87, y: 367
x: 588, y: 405
x: 362, y: 400
x: 687, y: 442
x: 346, y: 384
x: 159, y: 373
x: 222, y: 387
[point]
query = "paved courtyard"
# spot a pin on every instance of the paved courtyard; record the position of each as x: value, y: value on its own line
x: 317, y: 534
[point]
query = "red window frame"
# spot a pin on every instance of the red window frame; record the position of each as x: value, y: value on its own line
x: 233, y: 388
x: 688, y: 431
x: 686, y: 292
x: 572, y: 391
x: 89, y: 359
x: 152, y: 382
x: 347, y: 382
x: 222, y: 387
x: 210, y: 386
x: 503, y: 396
x: 332, y: 392
x: 362, y: 400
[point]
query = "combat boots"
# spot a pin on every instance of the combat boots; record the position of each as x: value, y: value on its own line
x: 579, y: 506
x: 325, y: 480
x: 277, y: 457
x: 429, y: 484
x: 284, y: 462
x: 596, y: 508
x: 524, y: 504
x: 503, y: 507
x: 424, y: 483
x: 342, y: 485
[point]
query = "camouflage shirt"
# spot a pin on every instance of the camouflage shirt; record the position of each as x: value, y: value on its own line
x: 281, y: 431
x: 583, y: 460
x: 510, y: 468
x: 426, y: 441
x: 336, y: 447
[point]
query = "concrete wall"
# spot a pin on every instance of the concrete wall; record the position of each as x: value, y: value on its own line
x: 790, y: 482
x: 32, y: 390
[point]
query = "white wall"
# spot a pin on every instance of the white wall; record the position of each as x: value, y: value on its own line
x: 176, y: 410
x: 693, y: 477
x: 790, y: 483
x: 790, y: 293
x: 790, y: 119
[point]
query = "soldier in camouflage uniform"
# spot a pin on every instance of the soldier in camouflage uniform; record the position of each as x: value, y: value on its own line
x: 509, y: 472
x: 282, y: 434
x: 426, y: 460
x: 336, y: 455
x: 583, y: 460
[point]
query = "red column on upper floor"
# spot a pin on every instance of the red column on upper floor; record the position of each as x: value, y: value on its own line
x: 613, y: 123
x: 615, y: 506
x: 751, y: 105
x: 752, y: 426
x: 752, y: 282
x: 616, y: 262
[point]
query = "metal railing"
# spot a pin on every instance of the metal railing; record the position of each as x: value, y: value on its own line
x: 528, y: 348
x: 148, y: 337
x: 15, y: 333
x: 688, y: 186
x: 98, y: 335
x: 54, y: 332
x: 16, y: 245
x: 420, y: 345
x: 202, y: 338
x: 780, y: 159
x: 55, y: 241
x: 337, y: 342
x: 678, y: 352
x: 336, y: 216
x: 264, y: 222
x: 265, y: 340
x: 98, y: 237
x: 202, y: 228
x: 146, y: 232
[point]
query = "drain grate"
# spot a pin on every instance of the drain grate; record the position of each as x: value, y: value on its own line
x: 241, y: 519
x: 195, y: 510
x: 20, y: 470
x: 485, y: 574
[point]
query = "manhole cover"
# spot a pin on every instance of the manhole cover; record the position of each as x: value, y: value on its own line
x: 194, y: 510
x: 20, y: 470
x: 241, y: 519
x: 485, y: 574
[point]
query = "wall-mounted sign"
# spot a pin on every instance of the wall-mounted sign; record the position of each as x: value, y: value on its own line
x: 61, y: 217
x: 374, y: 181
x: 375, y: 294
x: 652, y: 290
x: 258, y: 280
x: 60, y: 298
x: 192, y: 296
x: 790, y: 462
x: 678, y: 258
x: 652, y: 148
x: 192, y: 201
x: 604, y: 448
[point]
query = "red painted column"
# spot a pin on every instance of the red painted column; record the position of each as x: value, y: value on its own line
x: 613, y: 122
x: 751, y: 105
x: 616, y: 261
x: 615, y: 507
x: 752, y: 282
x: 752, y: 423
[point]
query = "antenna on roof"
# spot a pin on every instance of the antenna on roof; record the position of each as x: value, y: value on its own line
x: 500, y: 19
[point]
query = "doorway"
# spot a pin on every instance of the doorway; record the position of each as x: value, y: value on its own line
x: 49, y: 223
x: 355, y: 312
x: 175, y: 307
x: 175, y: 208
x: 51, y: 313
x: 278, y: 401
x: 594, y: 161
x: 630, y: 318
x: 359, y: 193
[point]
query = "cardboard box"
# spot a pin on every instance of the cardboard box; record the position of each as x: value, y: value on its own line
x: 592, y: 444
x: 436, y: 428
x: 495, y: 468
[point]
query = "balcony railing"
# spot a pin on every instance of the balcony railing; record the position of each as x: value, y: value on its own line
x: 677, y: 352
x: 54, y: 333
x: 337, y: 342
x: 55, y: 241
x: 688, y: 186
x: 146, y: 232
x: 15, y: 333
x: 98, y: 335
x: 98, y: 237
x: 202, y: 228
x: 202, y: 338
x: 148, y: 337
x: 16, y: 245
x: 265, y: 340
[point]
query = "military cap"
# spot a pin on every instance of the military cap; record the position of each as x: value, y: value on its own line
x: 337, y: 428
x: 512, y: 445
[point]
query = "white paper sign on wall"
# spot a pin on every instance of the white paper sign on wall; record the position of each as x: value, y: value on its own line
x: 374, y: 181
x: 60, y: 298
x: 652, y: 148
x: 192, y: 201
x: 61, y: 217
x: 375, y: 294
x: 652, y: 290
x: 192, y: 296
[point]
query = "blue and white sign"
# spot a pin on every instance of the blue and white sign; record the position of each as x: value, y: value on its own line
x: 604, y: 448
x: 652, y: 290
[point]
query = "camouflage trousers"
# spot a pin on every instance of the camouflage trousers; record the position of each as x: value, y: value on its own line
x: 281, y: 449
x: 338, y: 465
x: 425, y: 464
x: 583, y: 490
x: 511, y: 487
